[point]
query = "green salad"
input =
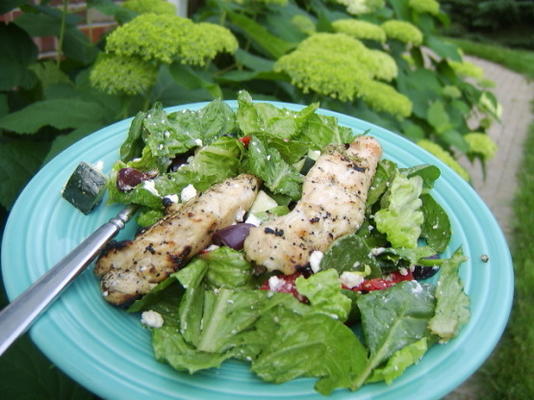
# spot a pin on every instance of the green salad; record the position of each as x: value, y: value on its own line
x: 362, y: 312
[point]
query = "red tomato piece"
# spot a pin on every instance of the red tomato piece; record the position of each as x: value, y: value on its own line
x: 245, y: 140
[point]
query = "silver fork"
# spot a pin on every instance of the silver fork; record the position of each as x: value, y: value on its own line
x: 17, y: 317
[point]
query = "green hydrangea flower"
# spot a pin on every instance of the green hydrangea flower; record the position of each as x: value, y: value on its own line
x: 357, y: 7
x: 466, y: 68
x: 149, y: 36
x: 482, y: 144
x: 339, y: 66
x: 383, y: 97
x: 444, y: 156
x: 360, y: 29
x: 403, y: 31
x: 203, y: 41
x: 328, y: 64
x: 165, y: 38
x: 150, y: 6
x: 303, y: 24
x: 425, y: 6
x: 117, y: 74
x: 385, y: 65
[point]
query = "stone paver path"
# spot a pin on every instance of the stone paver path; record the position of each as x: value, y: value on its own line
x: 514, y: 92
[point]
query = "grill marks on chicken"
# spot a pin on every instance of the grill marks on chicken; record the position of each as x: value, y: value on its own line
x: 332, y: 205
x: 132, y: 268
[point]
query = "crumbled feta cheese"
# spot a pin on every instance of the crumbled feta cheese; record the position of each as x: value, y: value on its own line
x: 403, y: 271
x: 152, y: 319
x: 315, y: 260
x: 160, y: 147
x: 188, y: 193
x: 198, y: 142
x: 166, y: 134
x: 173, y: 198
x: 356, y: 265
x: 99, y: 165
x: 151, y: 187
x: 240, y: 214
x: 435, y: 226
x: 275, y: 283
x: 252, y: 219
x: 212, y: 247
x: 351, y: 279
x: 417, y: 287
x: 376, y: 251
x: 370, y: 227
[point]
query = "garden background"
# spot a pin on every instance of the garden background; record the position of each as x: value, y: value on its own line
x: 69, y: 68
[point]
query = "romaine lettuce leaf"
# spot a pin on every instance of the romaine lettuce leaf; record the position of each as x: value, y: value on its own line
x: 399, y: 361
x: 133, y: 145
x: 211, y: 164
x: 278, y: 175
x: 312, y: 345
x: 227, y: 268
x: 385, y: 172
x: 323, y: 290
x: 429, y: 173
x: 322, y: 130
x: 264, y: 117
x: 392, y: 319
x: 436, y: 228
x: 402, y: 218
x: 452, y: 307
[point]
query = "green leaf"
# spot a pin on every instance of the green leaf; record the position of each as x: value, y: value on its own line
x: 18, y: 51
x: 352, y: 253
x: 323, y: 290
x: 270, y: 44
x: 19, y: 160
x: 61, y: 142
x: 437, y: 117
x: 49, y: 73
x: 392, y: 319
x: 227, y: 268
x: 78, y: 47
x: 313, y: 345
x: 278, y: 175
x: 4, y: 106
x: 429, y: 173
x: 436, y: 229
x: 39, y: 24
x: 252, y: 61
x: 385, y: 172
x: 452, y: 307
x: 443, y: 48
x: 188, y: 78
x: 399, y: 361
x: 108, y: 7
x: 132, y: 147
x: 402, y: 218
x: 59, y: 113
x: 322, y: 130
x: 167, y: 290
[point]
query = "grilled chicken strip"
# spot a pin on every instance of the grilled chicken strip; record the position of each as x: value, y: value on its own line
x: 332, y: 205
x: 133, y: 267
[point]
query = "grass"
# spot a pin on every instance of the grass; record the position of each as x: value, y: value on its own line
x: 521, y: 61
x: 508, y: 373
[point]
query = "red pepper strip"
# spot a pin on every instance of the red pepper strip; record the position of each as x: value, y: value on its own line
x: 287, y: 286
x: 382, y: 283
x: 245, y: 140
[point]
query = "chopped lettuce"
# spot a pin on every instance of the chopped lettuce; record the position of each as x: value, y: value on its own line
x: 392, y: 319
x: 227, y: 268
x: 436, y: 228
x: 255, y: 118
x: 322, y: 130
x: 323, y: 290
x: 402, y: 218
x: 399, y: 361
x: 452, y: 307
x: 267, y: 163
x: 312, y: 345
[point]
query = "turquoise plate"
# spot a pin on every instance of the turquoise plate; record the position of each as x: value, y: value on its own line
x: 108, y: 351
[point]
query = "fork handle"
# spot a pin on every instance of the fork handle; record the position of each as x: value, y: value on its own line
x: 16, y: 318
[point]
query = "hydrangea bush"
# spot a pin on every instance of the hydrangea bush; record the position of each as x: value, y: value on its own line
x: 382, y: 61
